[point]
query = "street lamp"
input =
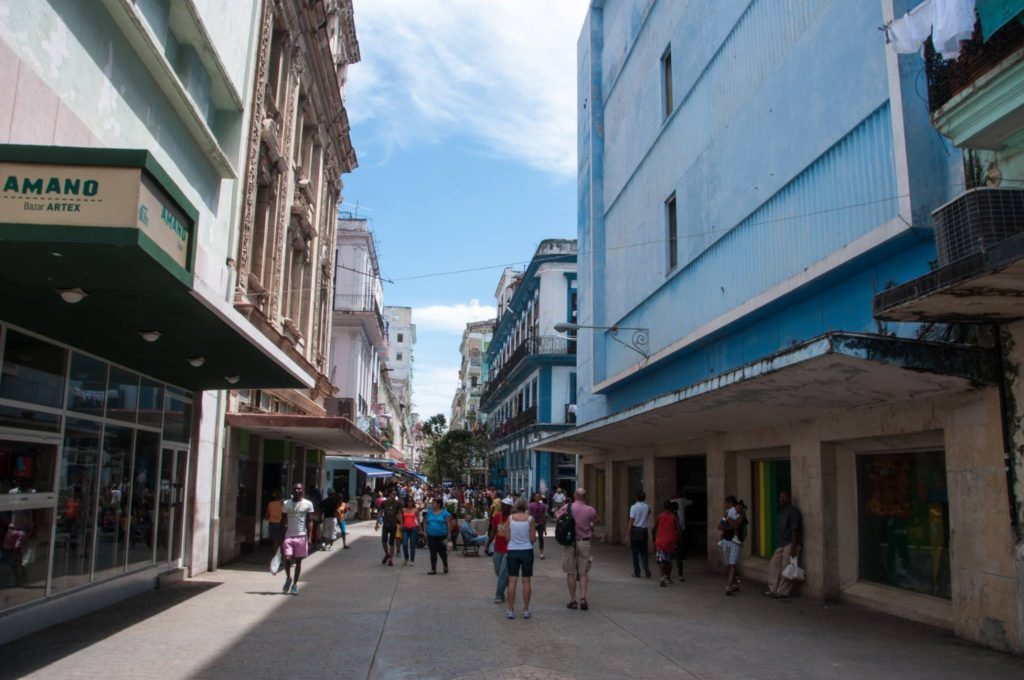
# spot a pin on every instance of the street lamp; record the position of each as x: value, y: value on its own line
x: 637, y: 343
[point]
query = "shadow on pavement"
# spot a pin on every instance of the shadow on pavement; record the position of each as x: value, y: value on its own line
x: 50, y: 645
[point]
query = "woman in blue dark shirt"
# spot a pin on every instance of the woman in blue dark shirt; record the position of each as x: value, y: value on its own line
x: 437, y: 525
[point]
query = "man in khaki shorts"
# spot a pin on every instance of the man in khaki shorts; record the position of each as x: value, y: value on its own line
x: 576, y: 558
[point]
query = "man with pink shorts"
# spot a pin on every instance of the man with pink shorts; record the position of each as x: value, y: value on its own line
x: 298, y: 519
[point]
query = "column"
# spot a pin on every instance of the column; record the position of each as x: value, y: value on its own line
x: 718, y: 482
x: 813, y: 470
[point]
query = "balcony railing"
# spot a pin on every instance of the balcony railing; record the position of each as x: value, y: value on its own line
x: 515, y: 423
x: 535, y: 345
x: 361, y: 303
x: 977, y: 57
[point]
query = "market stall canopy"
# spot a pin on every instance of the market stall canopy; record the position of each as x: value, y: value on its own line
x: 97, y: 250
x: 373, y: 471
x: 830, y: 373
x: 330, y: 433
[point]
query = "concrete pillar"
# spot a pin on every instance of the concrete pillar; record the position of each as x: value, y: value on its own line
x: 984, y: 572
x: 718, y: 479
x: 813, y: 469
x: 609, y: 499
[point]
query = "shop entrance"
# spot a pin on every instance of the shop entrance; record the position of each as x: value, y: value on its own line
x: 27, y: 505
x: 170, y: 529
x: 692, y: 480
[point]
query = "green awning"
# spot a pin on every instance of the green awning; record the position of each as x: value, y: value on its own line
x: 995, y: 14
x: 113, y: 224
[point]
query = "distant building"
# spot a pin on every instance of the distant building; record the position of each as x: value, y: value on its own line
x: 401, y: 344
x: 359, y: 333
x: 531, y: 370
x: 466, y: 415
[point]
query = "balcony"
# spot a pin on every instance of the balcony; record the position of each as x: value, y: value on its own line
x: 363, y: 305
x: 515, y: 423
x: 975, y: 100
x: 550, y: 345
x: 980, y: 277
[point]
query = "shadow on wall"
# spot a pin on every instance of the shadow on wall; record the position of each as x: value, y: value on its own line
x: 112, y: 54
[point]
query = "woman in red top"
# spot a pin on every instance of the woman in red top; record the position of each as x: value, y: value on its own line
x: 410, y: 522
x: 666, y: 537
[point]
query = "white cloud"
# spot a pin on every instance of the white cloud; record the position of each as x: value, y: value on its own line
x: 433, y: 390
x: 502, y: 72
x: 452, y: 318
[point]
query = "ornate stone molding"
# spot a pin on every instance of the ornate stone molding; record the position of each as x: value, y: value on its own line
x: 252, y: 160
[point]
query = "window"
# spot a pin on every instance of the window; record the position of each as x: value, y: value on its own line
x: 398, y: 356
x: 401, y: 337
x: 673, y: 233
x: 666, y: 81
x: 904, y: 521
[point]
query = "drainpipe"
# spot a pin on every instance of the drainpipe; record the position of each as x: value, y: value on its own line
x: 1008, y: 408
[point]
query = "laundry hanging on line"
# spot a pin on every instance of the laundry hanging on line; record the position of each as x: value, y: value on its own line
x: 947, y: 22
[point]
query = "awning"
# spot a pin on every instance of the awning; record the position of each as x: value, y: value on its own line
x: 112, y: 223
x: 985, y: 286
x: 832, y: 373
x: 373, y: 471
x: 330, y: 433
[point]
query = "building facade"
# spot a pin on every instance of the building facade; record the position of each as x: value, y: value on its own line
x: 476, y: 340
x: 401, y: 344
x: 531, y: 374
x: 298, y: 147
x: 122, y: 143
x: 738, y: 212
x: 466, y: 414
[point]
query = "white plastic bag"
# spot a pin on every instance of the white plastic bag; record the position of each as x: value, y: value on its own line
x: 793, y: 572
x: 275, y: 562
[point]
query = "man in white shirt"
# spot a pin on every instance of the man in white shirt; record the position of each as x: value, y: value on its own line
x: 639, y: 518
x: 297, y: 516
x: 681, y: 503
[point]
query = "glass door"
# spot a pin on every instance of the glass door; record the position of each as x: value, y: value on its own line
x: 170, y: 524
x: 27, y: 505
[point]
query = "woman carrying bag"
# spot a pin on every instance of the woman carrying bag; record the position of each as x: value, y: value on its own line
x: 409, y: 528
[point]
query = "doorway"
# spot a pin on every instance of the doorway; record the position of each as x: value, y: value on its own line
x: 171, y: 506
x: 692, y: 480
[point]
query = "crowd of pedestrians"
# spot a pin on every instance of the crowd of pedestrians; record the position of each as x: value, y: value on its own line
x: 411, y: 516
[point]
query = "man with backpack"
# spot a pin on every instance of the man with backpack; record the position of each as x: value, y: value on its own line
x: 573, y: 530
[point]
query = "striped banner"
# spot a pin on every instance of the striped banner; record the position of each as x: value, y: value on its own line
x: 770, y: 477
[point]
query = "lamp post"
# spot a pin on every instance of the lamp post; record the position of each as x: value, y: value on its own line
x: 637, y: 342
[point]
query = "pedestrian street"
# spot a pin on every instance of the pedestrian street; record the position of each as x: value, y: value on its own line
x: 355, y: 618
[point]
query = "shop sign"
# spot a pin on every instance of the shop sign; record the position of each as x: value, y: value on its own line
x: 89, y: 196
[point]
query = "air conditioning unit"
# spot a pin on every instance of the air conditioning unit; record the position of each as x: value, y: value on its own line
x: 343, y: 408
x: 976, y: 220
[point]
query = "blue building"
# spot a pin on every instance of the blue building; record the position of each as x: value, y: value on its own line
x: 531, y: 377
x: 751, y: 174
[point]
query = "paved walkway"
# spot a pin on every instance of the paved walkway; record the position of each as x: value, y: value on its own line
x: 356, y: 618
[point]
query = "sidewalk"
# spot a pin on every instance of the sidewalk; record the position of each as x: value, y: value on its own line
x: 356, y: 618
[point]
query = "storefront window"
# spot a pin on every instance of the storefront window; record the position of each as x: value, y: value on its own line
x: 123, y: 395
x: 177, y: 419
x: 33, y: 370
x: 76, y: 504
x: 87, y: 388
x: 151, y: 403
x: 112, y: 518
x: 25, y: 467
x: 143, y: 498
x: 28, y: 419
x: 904, y: 521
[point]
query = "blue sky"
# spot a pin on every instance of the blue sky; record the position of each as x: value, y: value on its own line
x: 464, y: 121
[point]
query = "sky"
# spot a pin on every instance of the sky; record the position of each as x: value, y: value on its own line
x: 464, y: 122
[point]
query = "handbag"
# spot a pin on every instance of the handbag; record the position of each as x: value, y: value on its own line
x: 793, y: 572
x: 275, y: 562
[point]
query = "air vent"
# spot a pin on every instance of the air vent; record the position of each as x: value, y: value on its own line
x: 976, y: 220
